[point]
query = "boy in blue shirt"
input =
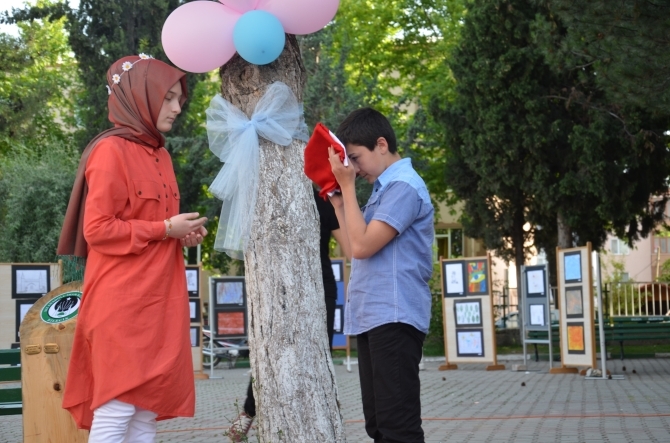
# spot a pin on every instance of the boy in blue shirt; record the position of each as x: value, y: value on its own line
x: 388, y: 299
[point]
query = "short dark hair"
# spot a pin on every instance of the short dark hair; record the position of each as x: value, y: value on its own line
x: 364, y: 126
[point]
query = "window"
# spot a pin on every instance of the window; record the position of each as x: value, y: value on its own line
x: 618, y: 247
x: 662, y: 243
x: 449, y: 243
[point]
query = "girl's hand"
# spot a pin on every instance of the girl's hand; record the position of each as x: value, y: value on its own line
x: 194, y: 238
x: 187, y: 223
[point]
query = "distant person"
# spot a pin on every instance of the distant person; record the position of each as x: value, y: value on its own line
x: 328, y: 225
x: 131, y: 359
x: 388, y: 298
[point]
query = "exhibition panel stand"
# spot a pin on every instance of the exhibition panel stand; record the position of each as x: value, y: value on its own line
x: 536, y: 308
x: 467, y: 313
x: 575, y: 294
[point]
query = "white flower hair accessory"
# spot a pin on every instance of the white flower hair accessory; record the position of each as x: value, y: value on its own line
x: 126, y: 66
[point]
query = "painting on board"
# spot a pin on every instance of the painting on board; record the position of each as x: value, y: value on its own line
x: 574, y: 305
x: 576, y: 338
x: 572, y: 267
x: 230, y: 323
x: 477, y: 276
x: 469, y: 343
x: 454, y: 285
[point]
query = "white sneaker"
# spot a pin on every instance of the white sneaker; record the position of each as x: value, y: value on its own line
x: 240, y: 427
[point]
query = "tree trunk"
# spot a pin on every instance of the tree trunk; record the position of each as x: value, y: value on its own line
x: 293, y: 375
x: 564, y: 232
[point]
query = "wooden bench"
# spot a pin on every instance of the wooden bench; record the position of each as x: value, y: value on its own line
x: 621, y: 329
x: 10, y: 398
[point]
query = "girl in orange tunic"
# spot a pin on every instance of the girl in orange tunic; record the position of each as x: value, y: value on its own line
x: 131, y: 357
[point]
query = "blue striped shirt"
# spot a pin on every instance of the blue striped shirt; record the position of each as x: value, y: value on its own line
x: 392, y: 285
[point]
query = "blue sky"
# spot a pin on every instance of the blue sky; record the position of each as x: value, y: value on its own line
x: 7, y: 5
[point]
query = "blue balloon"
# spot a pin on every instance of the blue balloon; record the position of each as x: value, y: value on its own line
x: 259, y: 37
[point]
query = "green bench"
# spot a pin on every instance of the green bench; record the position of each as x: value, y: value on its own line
x: 637, y: 329
x: 10, y: 398
x: 620, y: 329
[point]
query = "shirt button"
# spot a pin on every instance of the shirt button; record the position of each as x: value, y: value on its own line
x: 175, y: 194
x: 139, y: 193
x: 156, y: 160
x: 160, y: 174
x: 164, y: 185
x: 165, y: 209
x: 166, y: 195
x: 159, y: 196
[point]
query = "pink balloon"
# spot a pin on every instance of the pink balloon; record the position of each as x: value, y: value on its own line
x: 198, y: 36
x: 301, y: 16
x: 241, y: 5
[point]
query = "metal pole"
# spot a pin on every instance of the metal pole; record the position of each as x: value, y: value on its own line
x: 601, y: 326
x: 522, y: 319
x: 550, y: 329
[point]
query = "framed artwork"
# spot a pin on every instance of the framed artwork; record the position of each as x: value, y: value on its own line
x: 30, y: 281
x: 572, y: 267
x: 468, y: 312
x: 338, y: 324
x: 469, y: 343
x: 535, y: 282
x: 574, y: 304
x: 195, y: 336
x: 194, y: 309
x: 337, y: 271
x: 193, y: 281
x: 576, y: 338
x: 229, y: 292
x: 477, y: 277
x: 231, y: 323
x: 22, y: 307
x: 537, y: 316
x: 454, y: 278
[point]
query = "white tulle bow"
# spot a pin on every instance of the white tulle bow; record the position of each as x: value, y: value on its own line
x: 278, y: 117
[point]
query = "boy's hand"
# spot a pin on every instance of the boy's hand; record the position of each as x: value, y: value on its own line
x: 345, y: 175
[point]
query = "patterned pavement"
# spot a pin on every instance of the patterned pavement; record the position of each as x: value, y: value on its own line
x: 469, y: 405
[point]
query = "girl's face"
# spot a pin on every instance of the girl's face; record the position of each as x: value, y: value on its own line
x: 170, y: 108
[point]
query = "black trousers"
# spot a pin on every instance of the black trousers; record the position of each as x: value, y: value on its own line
x: 388, y: 366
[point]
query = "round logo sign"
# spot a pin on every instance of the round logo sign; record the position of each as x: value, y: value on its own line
x: 61, y: 308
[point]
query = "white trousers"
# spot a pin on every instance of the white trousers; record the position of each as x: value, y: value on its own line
x: 119, y: 422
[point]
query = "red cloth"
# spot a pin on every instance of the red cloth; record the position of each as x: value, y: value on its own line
x: 317, y: 166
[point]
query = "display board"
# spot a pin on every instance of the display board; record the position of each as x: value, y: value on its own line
x: 467, y: 312
x: 228, y: 307
x: 21, y: 285
x: 193, y: 273
x: 536, y: 310
x: 340, y: 341
x: 575, y: 293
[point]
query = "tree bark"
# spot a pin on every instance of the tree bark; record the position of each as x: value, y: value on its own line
x: 564, y: 232
x: 293, y: 375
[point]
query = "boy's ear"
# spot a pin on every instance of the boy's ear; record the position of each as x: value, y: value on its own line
x: 383, y: 145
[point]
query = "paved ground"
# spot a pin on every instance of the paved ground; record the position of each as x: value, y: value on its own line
x: 470, y: 405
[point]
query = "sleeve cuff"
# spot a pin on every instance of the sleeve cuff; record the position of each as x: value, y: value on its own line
x: 158, y: 230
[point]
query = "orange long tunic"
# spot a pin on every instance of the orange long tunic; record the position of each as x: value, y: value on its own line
x: 132, y: 340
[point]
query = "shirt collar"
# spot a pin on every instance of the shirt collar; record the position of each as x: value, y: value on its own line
x: 393, y: 170
x: 149, y: 149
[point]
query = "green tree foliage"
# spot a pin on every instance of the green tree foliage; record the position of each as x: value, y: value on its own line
x: 626, y: 42
x: 34, y: 193
x: 101, y: 32
x: 520, y: 152
x: 37, y: 83
x: 395, y: 59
